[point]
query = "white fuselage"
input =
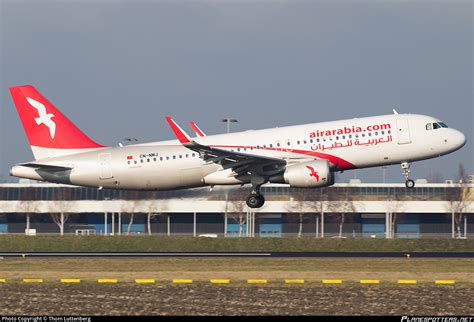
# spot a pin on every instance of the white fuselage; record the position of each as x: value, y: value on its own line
x: 346, y: 144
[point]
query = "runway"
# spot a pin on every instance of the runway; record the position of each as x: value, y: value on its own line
x: 244, y: 254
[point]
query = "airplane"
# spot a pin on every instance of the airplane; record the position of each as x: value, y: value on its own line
x: 302, y: 156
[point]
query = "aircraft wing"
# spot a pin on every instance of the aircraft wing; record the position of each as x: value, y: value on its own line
x: 239, y: 162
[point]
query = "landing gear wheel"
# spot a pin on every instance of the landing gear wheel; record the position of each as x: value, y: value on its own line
x: 255, y: 201
x: 410, y: 184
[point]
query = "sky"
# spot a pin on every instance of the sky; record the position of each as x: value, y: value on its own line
x: 117, y: 68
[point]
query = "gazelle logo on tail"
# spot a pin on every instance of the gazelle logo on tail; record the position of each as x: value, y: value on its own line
x: 313, y: 173
x: 43, y: 117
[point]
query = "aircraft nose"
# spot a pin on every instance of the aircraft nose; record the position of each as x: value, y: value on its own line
x: 458, y: 139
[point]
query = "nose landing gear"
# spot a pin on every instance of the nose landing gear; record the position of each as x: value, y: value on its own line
x: 409, y: 183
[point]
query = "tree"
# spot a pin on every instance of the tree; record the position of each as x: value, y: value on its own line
x: 457, y: 197
x: 28, y: 206
x: 236, y: 207
x: 62, y: 194
x: 60, y: 220
x: 342, y: 205
x: 304, y: 200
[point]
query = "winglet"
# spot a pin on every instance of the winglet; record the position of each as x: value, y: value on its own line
x: 196, y: 129
x: 178, y: 131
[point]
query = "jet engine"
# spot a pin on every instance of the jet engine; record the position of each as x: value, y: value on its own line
x: 308, y: 174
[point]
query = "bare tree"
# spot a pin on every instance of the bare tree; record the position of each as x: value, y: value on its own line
x: 62, y: 194
x: 135, y: 199
x: 457, y: 197
x: 304, y: 201
x: 60, y: 220
x: 237, y: 211
x: 342, y: 204
x: 28, y: 196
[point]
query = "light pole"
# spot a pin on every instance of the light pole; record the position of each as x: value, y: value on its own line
x: 228, y: 121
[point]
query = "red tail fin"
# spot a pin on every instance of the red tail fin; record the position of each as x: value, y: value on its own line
x: 45, y: 126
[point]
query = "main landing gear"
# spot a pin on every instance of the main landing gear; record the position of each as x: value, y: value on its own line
x: 409, y: 183
x: 255, y: 199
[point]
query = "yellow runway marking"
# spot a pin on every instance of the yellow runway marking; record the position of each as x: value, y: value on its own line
x: 444, y: 282
x: 33, y: 280
x: 70, y: 280
x: 180, y: 281
x: 220, y: 281
x: 2, y: 280
x: 257, y: 281
x: 145, y: 281
x: 107, y: 280
x: 406, y: 281
x: 369, y: 281
x: 294, y: 281
x: 332, y: 281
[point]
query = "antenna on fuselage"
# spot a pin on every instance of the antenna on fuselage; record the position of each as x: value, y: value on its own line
x: 395, y: 111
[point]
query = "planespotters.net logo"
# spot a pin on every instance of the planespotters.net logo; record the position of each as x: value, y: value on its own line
x: 437, y: 319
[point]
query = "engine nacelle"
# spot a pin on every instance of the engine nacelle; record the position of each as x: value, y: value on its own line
x: 309, y: 174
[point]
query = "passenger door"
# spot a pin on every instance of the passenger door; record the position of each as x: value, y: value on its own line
x: 403, y: 131
x: 105, y: 166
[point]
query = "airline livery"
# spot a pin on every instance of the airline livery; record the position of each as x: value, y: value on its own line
x: 303, y: 156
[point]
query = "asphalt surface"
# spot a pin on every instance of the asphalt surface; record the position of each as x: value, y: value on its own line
x: 245, y: 254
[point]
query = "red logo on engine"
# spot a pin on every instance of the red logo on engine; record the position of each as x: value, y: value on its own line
x: 313, y: 173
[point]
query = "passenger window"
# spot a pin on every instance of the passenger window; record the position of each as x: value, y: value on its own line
x: 429, y: 127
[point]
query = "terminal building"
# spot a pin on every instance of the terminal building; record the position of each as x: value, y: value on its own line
x: 344, y: 210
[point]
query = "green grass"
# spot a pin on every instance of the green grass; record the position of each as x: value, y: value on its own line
x: 20, y: 243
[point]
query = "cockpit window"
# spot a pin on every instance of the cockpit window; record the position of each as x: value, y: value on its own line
x: 435, y: 126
